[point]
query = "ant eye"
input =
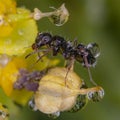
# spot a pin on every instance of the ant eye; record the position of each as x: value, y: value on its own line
x: 46, y: 38
x: 94, y: 49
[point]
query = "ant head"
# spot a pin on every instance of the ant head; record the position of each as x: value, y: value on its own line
x: 43, y: 39
x: 34, y: 46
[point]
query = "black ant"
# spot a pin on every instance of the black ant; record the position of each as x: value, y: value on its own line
x: 71, y: 51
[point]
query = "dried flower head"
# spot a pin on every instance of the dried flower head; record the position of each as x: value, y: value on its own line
x: 54, y: 96
x: 58, y: 17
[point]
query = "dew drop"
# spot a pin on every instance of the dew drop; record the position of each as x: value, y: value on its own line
x: 90, y: 95
x: 31, y: 105
x: 1, y: 20
x: 81, y: 102
x: 54, y: 115
x: 96, y: 96
x: 8, y: 41
x: 4, y: 59
x: 20, y: 32
x: 60, y: 16
x: 101, y: 93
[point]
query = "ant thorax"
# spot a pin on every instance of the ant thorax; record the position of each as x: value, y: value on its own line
x: 68, y: 50
x: 56, y: 44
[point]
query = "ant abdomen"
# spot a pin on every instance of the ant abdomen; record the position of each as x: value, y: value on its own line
x: 94, y: 49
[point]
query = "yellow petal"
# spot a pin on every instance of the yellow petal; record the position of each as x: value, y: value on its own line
x: 21, y: 96
x: 7, y: 6
x: 9, y: 74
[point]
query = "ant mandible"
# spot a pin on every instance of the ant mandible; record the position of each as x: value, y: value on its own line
x: 71, y: 51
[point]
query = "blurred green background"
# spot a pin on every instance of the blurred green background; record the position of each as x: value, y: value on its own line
x: 90, y: 21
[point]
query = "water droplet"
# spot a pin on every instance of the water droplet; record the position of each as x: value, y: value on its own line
x: 59, y: 16
x: 4, y: 59
x: 96, y: 95
x: 54, y: 115
x: 31, y: 105
x: 1, y: 20
x: 81, y: 101
x: 101, y: 93
x: 8, y: 41
x: 90, y: 95
x: 20, y: 32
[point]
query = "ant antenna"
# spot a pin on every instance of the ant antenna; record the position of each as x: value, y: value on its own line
x: 89, y: 72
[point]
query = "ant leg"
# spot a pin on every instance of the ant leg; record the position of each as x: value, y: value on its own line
x: 38, y: 53
x: 69, y: 67
x: 40, y: 57
x: 90, y: 76
x: 34, y: 52
x: 30, y: 54
x: 88, y: 68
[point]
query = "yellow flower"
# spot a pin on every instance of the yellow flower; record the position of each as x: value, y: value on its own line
x: 15, y: 28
